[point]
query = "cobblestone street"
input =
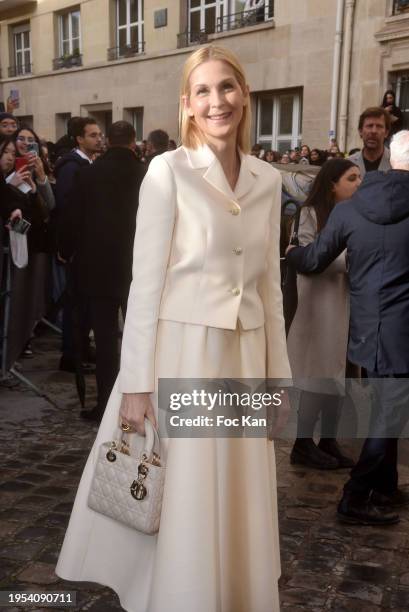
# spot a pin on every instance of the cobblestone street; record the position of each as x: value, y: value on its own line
x: 325, y: 566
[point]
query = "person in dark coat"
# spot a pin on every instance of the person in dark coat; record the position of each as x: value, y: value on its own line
x: 88, y: 138
x: 98, y: 235
x: 374, y: 228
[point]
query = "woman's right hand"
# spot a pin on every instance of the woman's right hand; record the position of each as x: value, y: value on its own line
x: 135, y: 407
x: 20, y: 176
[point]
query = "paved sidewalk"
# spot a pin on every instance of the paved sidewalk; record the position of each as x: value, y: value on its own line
x: 43, y: 448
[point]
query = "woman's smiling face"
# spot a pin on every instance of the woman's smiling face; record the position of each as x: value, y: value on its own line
x: 216, y: 100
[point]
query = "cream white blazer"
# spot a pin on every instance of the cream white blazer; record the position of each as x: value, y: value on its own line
x: 204, y: 255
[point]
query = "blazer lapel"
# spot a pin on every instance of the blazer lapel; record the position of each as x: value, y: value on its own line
x: 204, y: 158
x: 247, y: 177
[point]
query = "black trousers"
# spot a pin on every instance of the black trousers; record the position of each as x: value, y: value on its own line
x: 377, y: 467
x: 103, y: 316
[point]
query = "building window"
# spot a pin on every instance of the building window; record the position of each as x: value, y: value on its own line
x: 400, y: 6
x: 211, y: 16
x: 135, y: 116
x: 130, y: 25
x: 22, y: 51
x: 279, y: 120
x: 70, y: 34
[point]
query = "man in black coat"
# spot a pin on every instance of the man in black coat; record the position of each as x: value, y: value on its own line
x: 98, y: 233
x: 374, y: 228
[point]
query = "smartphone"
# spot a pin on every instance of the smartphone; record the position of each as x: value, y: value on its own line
x: 20, y: 163
x: 32, y: 147
x: 21, y: 226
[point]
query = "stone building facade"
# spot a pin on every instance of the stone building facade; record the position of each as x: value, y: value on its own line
x: 312, y: 65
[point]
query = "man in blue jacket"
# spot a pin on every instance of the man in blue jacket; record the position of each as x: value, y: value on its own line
x: 374, y: 228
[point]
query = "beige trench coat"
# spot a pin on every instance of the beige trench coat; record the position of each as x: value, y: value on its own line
x: 318, y: 337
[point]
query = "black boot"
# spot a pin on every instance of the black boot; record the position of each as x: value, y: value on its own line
x: 306, y: 452
x: 361, y: 511
x: 331, y: 447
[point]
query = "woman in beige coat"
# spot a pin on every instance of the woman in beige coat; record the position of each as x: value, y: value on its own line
x: 318, y: 336
x: 205, y: 302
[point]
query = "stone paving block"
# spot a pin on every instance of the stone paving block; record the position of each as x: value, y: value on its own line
x: 16, y: 514
x: 33, y: 477
x: 313, y: 563
x: 19, y: 552
x: 64, y: 507
x: 15, y: 486
x: 37, y: 533
x: 385, y: 539
x: 384, y: 557
x: 362, y: 590
x: 305, y: 597
x: 33, y: 501
x: 400, y: 599
x: 38, y: 573
x: 302, y: 514
x: 105, y: 604
x: 7, y: 568
x: 8, y: 529
x: 314, y: 580
x: 353, y: 605
x: 52, y: 491
x: 367, y: 572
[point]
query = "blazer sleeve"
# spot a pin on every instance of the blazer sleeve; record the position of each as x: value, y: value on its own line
x: 270, y: 291
x: 330, y: 243
x: 153, y: 238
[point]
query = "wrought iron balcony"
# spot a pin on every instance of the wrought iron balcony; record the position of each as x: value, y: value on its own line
x: 400, y: 6
x: 67, y: 61
x: 20, y: 70
x: 185, y: 39
x: 116, y: 53
x: 243, y: 19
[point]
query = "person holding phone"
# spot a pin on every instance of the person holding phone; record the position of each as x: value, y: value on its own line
x: 29, y: 147
x: 12, y: 201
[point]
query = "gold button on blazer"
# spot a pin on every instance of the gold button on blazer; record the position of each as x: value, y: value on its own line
x: 190, y: 228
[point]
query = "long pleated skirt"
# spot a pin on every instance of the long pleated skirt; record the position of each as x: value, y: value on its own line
x: 217, y: 549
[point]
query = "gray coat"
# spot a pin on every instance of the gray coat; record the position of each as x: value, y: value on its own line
x: 384, y: 166
x: 318, y: 337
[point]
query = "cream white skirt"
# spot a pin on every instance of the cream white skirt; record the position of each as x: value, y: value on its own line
x: 217, y: 549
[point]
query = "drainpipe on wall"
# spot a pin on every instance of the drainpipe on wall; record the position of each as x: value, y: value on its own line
x: 336, y: 68
x: 346, y: 68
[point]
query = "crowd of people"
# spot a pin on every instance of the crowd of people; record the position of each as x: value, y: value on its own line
x: 192, y: 310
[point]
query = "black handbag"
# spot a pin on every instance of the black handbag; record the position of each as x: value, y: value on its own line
x: 288, y: 272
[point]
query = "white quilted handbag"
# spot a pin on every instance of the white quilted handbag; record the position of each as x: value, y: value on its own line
x: 128, y: 486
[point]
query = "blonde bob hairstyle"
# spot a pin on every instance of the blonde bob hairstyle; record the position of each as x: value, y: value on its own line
x: 190, y: 135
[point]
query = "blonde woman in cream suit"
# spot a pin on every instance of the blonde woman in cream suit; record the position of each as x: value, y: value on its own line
x: 205, y: 302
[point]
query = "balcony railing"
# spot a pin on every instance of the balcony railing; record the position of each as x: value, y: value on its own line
x: 241, y: 20
x: 67, y: 61
x: 228, y: 22
x: 116, y: 53
x: 400, y: 6
x: 192, y: 38
x: 20, y: 70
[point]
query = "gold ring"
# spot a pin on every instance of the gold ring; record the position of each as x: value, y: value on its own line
x: 125, y: 427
